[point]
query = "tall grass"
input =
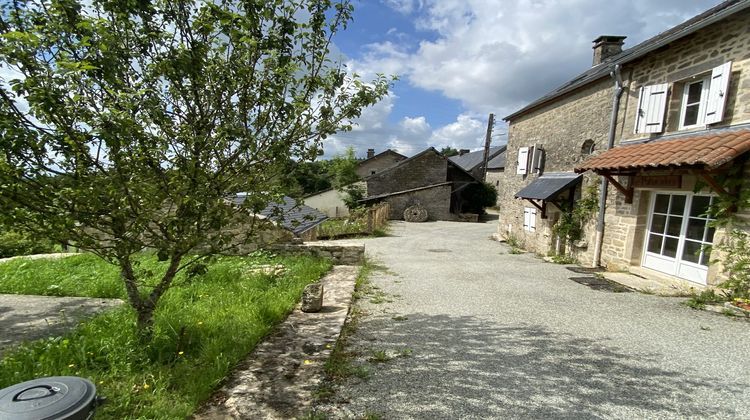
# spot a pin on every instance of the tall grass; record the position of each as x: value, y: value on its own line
x: 202, y: 329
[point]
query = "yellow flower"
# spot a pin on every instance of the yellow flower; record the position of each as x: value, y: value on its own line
x: 308, y: 362
x: 146, y: 386
x: 71, y: 365
x: 181, y: 353
x: 200, y: 322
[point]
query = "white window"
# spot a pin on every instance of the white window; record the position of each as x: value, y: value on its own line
x: 523, y: 161
x: 694, y: 97
x: 529, y: 219
x: 537, y: 160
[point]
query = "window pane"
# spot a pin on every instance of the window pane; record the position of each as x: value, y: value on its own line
x: 654, y: 244
x: 670, y: 247
x: 678, y: 205
x: 658, y: 222
x: 706, y: 258
x: 673, y: 225
x: 691, y: 115
x: 692, y: 251
x: 695, y: 229
x: 694, y: 92
x: 662, y: 203
x: 699, y: 206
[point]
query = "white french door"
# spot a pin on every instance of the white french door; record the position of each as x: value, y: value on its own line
x: 679, y: 235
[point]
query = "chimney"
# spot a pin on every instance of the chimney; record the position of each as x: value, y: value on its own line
x: 370, y: 153
x: 463, y: 152
x: 607, y: 46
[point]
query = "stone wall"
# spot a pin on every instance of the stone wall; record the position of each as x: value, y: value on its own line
x: 425, y: 169
x: 436, y: 200
x: 377, y: 164
x: 561, y: 128
x: 339, y: 254
x: 693, y: 55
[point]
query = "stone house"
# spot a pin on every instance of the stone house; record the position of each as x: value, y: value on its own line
x: 376, y: 163
x: 660, y: 129
x: 427, y: 178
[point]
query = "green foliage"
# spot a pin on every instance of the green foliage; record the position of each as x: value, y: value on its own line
x: 13, y: 243
x: 201, y: 331
x: 479, y: 196
x: 343, y: 169
x: 571, y: 222
x: 125, y: 124
x: 736, y: 261
x: 708, y: 296
x: 563, y: 259
x: 448, y: 151
x: 352, y: 194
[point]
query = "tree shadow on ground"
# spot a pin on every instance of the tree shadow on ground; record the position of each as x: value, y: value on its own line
x: 462, y: 366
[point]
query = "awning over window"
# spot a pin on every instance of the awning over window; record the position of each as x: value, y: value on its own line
x: 703, y: 152
x: 549, y: 185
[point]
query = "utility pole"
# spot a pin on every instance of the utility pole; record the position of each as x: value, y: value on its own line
x: 487, y: 140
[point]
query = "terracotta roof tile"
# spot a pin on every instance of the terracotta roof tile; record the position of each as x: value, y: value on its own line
x: 707, y: 150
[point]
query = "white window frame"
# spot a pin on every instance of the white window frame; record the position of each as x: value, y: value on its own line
x: 702, y: 103
x: 529, y: 219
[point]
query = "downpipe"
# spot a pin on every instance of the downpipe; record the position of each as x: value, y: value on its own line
x: 617, y: 94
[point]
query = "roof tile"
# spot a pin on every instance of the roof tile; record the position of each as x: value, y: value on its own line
x: 707, y: 150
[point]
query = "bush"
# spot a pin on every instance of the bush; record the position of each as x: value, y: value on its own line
x: 478, y: 197
x: 737, y: 263
x: 14, y: 243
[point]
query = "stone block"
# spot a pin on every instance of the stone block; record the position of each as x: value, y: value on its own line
x: 312, y: 298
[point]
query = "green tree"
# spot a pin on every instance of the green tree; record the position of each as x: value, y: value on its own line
x: 129, y: 123
x: 342, y: 169
x: 448, y: 151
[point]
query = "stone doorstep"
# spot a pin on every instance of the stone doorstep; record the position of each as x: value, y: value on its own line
x: 650, y: 282
x: 278, y: 378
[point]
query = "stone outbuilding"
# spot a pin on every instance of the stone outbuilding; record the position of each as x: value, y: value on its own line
x: 427, y: 178
x: 661, y: 130
x: 376, y: 163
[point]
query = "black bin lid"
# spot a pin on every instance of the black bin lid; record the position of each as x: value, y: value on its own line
x: 54, y: 397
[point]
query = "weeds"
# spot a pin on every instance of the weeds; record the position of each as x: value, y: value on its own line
x: 708, y: 296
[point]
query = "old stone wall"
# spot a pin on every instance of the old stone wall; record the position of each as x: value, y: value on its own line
x: 339, y: 254
x: 436, y: 200
x: 693, y: 55
x: 425, y: 169
x: 377, y: 164
x: 561, y: 128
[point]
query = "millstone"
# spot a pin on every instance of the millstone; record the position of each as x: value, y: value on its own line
x: 416, y: 213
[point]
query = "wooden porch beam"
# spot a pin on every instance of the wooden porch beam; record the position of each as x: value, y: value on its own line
x: 542, y: 207
x: 712, y: 182
x: 627, y: 192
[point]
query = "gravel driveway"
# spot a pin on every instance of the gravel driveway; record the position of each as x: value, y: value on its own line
x: 472, y: 331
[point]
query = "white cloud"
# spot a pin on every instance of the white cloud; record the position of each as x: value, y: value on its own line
x: 498, y: 56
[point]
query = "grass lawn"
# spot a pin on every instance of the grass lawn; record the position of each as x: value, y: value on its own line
x: 205, y: 325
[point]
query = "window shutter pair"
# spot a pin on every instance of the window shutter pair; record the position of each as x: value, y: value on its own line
x: 652, y: 102
x: 537, y: 160
x: 529, y: 219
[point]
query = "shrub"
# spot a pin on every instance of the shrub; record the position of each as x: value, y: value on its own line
x: 13, y: 243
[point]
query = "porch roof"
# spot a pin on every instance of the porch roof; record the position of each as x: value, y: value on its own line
x: 549, y: 185
x: 706, y: 151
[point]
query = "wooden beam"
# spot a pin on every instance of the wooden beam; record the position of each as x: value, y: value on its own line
x: 542, y: 207
x: 534, y: 203
x: 712, y: 182
x: 627, y: 192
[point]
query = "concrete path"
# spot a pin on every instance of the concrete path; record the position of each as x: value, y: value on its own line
x: 278, y: 379
x: 26, y: 318
x: 472, y: 331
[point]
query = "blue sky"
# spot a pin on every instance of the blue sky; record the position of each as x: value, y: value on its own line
x: 459, y: 60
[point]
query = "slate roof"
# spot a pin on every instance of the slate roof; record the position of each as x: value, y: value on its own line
x: 549, y: 185
x: 469, y: 161
x: 383, y: 153
x: 706, y: 151
x: 498, y: 162
x: 603, y: 69
x: 297, y: 218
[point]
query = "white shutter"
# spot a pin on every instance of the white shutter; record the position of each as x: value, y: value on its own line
x: 651, y: 107
x: 529, y: 219
x: 717, y: 93
x: 523, y: 160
